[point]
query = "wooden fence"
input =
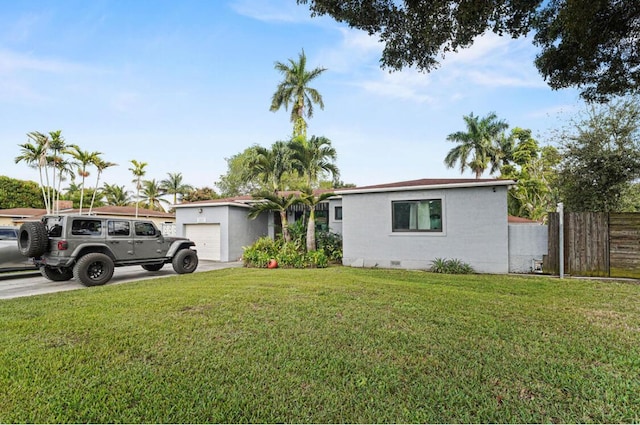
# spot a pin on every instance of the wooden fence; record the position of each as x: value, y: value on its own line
x: 595, y: 244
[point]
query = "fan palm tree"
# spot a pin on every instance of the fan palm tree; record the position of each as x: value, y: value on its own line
x: 273, y: 202
x: 152, y: 195
x: 174, y: 186
x: 294, y: 89
x: 100, y: 165
x: 138, y: 172
x: 84, y: 159
x: 479, y: 146
x: 116, y: 195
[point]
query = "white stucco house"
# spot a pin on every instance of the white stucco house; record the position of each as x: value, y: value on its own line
x: 397, y: 225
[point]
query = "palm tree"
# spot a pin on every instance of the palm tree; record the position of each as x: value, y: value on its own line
x: 294, y: 89
x: 100, y: 165
x: 481, y: 141
x: 312, y: 158
x: 57, y: 145
x: 312, y: 201
x: 152, y: 195
x: 84, y: 158
x: 270, y: 166
x: 138, y: 172
x: 64, y: 167
x: 273, y: 202
x: 174, y: 186
x: 34, y: 154
x: 116, y: 195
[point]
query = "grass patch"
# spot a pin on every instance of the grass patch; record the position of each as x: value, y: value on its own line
x: 329, y: 345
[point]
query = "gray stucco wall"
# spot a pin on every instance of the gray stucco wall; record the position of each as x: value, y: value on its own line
x: 236, y: 229
x: 335, y: 226
x: 527, y: 242
x: 474, y: 230
x: 244, y: 231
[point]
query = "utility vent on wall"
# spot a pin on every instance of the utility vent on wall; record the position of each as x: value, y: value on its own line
x: 395, y: 263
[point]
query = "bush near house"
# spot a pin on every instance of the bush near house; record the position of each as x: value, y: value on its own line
x: 287, y: 254
x: 452, y: 266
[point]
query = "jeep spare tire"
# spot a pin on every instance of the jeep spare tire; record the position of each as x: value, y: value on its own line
x: 33, y: 239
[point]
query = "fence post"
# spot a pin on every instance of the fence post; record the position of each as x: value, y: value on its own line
x: 561, y: 239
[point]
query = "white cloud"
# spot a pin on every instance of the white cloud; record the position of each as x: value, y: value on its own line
x: 271, y: 11
x: 408, y: 84
x: 491, y: 62
x: 356, y: 48
x: 12, y: 62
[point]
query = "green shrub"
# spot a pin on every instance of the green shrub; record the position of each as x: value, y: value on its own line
x: 317, y: 259
x: 331, y: 245
x: 452, y: 266
x: 287, y: 254
x: 259, y: 254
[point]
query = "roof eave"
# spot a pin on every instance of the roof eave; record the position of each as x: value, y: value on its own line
x: 426, y: 187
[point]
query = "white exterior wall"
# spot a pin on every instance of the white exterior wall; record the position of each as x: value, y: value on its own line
x: 335, y: 226
x: 474, y: 230
x: 236, y: 229
x: 527, y: 242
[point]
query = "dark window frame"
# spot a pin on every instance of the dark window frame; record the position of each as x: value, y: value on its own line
x: 336, y: 216
x: 433, y: 216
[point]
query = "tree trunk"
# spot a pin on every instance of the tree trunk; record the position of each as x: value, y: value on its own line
x: 311, y: 231
x: 285, y: 226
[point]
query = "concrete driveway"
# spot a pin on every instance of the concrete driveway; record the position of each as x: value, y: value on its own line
x: 24, y: 284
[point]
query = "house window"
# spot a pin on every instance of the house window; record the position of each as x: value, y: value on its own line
x: 417, y: 216
x: 338, y: 213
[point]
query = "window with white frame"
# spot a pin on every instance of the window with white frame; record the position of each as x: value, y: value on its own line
x: 417, y: 216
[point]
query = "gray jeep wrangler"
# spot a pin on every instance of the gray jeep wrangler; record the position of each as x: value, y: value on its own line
x: 88, y: 247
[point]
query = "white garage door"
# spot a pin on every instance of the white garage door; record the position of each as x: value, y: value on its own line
x: 207, y: 239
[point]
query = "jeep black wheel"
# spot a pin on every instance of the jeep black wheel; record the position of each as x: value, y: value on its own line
x: 33, y: 239
x: 94, y: 269
x: 152, y: 267
x: 185, y: 261
x: 60, y: 274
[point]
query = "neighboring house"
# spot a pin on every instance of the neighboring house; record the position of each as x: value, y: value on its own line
x: 399, y: 225
x: 409, y: 224
x: 15, y: 216
x: 165, y: 221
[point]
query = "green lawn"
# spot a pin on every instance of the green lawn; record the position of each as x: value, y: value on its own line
x: 326, y: 345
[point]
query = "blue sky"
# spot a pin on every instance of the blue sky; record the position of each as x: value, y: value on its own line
x: 182, y: 85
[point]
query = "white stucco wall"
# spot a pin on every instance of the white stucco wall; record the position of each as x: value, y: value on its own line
x: 527, y: 242
x: 474, y: 230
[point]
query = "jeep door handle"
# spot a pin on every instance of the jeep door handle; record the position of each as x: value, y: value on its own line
x: 114, y: 242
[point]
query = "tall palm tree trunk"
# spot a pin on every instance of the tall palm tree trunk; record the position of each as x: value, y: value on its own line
x: 285, y: 226
x: 311, y: 230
